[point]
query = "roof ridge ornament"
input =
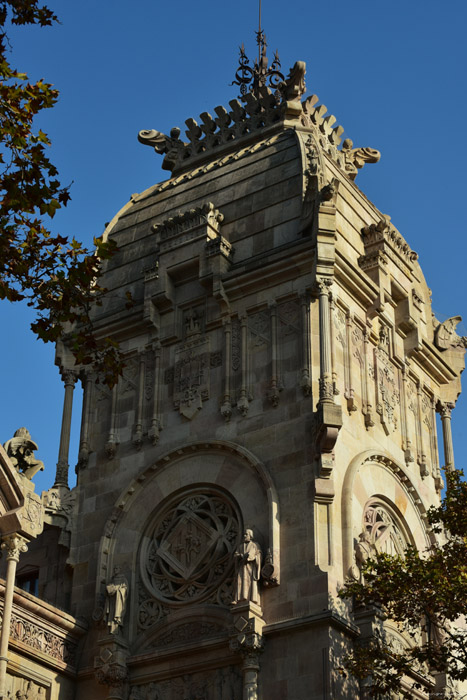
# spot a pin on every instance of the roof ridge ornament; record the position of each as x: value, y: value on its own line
x: 259, y: 75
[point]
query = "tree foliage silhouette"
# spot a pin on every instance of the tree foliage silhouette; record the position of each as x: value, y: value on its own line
x: 55, y: 275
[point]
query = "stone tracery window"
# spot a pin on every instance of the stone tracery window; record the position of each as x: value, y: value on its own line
x: 187, y: 553
x: 384, y: 528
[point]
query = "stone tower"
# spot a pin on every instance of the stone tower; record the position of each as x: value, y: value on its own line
x: 277, y: 411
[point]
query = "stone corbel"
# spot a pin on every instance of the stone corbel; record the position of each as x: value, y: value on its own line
x: 247, y: 640
x: 111, y: 667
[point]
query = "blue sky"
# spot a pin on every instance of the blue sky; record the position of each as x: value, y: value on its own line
x: 393, y: 73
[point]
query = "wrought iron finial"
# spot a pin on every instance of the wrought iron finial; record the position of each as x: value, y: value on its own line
x: 251, y: 79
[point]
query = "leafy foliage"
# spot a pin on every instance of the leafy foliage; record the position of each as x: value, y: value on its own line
x: 425, y: 594
x: 55, y: 275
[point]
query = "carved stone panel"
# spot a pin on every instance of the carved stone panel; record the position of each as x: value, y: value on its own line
x: 259, y: 327
x: 191, y: 376
x: 25, y: 689
x: 218, y: 684
x: 188, y: 554
x: 387, y: 390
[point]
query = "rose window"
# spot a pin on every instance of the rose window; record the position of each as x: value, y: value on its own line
x: 188, y: 552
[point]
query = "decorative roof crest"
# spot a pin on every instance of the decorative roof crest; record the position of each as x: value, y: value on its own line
x: 260, y: 75
x: 268, y: 99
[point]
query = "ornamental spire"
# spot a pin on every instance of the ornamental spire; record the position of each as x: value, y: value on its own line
x: 259, y: 75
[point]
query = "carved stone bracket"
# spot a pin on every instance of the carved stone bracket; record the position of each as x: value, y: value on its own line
x: 355, y: 158
x: 328, y: 421
x: 247, y: 640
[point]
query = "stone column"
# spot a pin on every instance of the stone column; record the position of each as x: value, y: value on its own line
x: 138, y: 428
x: 326, y: 389
x: 273, y: 394
x: 61, y: 475
x: 242, y: 403
x: 445, y: 410
x: 306, y: 346
x: 247, y: 640
x: 226, y: 408
x: 83, y: 454
x: 13, y: 544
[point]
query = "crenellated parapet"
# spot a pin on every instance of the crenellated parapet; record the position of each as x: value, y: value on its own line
x: 263, y: 109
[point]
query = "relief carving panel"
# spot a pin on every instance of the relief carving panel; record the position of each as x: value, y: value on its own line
x: 218, y: 684
x: 191, y: 376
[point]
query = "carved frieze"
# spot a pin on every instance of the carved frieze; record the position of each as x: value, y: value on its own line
x: 384, y: 238
x: 187, y: 555
x: 39, y: 638
x: 217, y: 684
x: 200, y: 222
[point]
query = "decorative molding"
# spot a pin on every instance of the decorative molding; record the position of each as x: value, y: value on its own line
x: 188, y: 225
x: 39, y: 638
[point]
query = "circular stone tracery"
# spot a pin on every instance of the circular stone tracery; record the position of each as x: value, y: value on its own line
x: 383, y: 528
x: 189, y: 547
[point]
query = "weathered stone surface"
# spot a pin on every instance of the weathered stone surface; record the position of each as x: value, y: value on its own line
x: 283, y: 373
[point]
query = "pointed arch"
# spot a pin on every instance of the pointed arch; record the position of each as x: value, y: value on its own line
x: 373, y: 474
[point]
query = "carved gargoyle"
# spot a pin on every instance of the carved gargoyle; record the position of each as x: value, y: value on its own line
x: 171, y: 145
x: 355, y: 158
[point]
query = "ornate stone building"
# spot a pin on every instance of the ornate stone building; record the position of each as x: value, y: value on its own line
x: 275, y: 422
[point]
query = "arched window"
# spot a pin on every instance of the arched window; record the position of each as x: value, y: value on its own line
x: 385, y: 529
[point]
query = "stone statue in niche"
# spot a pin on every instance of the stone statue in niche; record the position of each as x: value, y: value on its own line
x: 20, y: 449
x: 115, y: 603
x: 248, y: 569
x: 364, y: 550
